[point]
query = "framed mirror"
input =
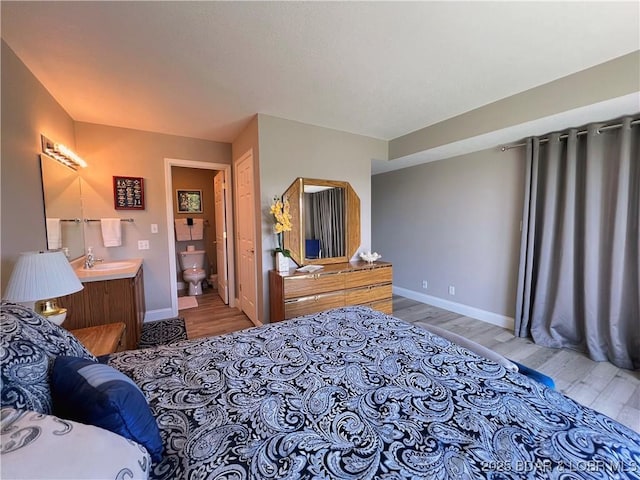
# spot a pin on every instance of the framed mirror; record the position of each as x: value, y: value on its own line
x: 325, y: 221
x: 61, y: 191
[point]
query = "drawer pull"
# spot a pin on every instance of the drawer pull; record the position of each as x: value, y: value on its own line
x: 312, y: 276
x: 310, y: 298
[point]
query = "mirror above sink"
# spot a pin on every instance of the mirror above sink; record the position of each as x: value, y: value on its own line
x: 61, y: 188
x: 325, y: 221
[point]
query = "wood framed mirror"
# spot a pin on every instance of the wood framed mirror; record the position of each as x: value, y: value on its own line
x: 325, y: 219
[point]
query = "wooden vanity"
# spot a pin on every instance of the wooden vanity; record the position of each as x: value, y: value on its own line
x: 336, y: 285
x: 109, y: 297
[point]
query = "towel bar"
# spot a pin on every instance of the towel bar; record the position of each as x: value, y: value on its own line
x: 97, y: 220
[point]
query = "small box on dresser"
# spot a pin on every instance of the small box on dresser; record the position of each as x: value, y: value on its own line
x: 293, y: 293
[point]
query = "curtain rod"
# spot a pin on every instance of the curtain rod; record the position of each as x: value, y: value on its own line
x: 545, y: 139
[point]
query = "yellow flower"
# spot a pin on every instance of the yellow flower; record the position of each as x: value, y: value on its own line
x: 281, y: 215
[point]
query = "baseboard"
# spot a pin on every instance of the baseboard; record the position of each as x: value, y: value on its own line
x: 161, y: 314
x: 483, y: 315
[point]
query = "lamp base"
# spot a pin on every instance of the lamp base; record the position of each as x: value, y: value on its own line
x: 50, y: 310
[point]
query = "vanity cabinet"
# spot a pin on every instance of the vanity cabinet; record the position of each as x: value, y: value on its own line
x: 337, y: 285
x: 109, y: 301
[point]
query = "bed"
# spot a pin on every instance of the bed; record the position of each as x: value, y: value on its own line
x: 352, y: 393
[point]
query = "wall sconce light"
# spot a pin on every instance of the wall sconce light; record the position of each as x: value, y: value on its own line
x: 64, y: 155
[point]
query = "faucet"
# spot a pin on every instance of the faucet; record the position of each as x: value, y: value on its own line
x: 89, y: 259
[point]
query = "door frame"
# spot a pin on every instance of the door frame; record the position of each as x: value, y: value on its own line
x: 168, y: 187
x: 222, y: 235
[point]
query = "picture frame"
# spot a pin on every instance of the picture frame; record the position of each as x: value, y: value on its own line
x: 189, y: 201
x: 128, y: 193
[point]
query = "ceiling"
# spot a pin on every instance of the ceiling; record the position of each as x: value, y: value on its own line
x: 381, y: 69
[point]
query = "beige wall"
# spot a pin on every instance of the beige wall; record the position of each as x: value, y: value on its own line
x: 608, y: 80
x: 291, y: 149
x: 118, y: 151
x: 197, y: 179
x: 28, y: 110
x: 454, y: 222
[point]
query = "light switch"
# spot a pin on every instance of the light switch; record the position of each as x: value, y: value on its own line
x: 154, y: 228
x: 143, y: 244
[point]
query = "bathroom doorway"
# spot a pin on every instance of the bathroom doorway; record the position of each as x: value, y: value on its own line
x: 221, y: 241
x: 205, y: 194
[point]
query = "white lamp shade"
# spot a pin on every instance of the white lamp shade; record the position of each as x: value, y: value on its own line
x: 41, y: 276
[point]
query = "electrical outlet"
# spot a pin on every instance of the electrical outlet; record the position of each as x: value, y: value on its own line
x: 452, y: 290
x: 154, y: 228
x: 143, y: 244
x: 425, y: 284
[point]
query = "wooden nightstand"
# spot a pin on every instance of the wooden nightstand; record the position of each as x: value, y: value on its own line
x: 101, y: 339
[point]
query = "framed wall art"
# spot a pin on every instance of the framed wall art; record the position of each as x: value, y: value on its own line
x: 189, y: 201
x: 128, y: 193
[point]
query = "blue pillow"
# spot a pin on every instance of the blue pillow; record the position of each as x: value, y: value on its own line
x: 97, y: 394
x: 536, y: 375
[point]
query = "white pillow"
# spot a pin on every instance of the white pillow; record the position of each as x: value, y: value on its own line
x: 37, y: 446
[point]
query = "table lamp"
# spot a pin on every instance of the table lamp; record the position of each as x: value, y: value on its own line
x: 41, y: 277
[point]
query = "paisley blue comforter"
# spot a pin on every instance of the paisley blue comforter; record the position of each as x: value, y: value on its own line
x: 352, y: 393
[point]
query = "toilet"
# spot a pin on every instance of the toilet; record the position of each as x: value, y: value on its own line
x: 192, y: 263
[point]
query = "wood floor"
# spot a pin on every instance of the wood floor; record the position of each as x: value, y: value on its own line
x: 213, y: 317
x: 599, y: 385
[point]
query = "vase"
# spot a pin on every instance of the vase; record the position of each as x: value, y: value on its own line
x: 282, y: 262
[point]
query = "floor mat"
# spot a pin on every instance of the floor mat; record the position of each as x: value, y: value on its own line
x: 162, y: 332
x: 187, y: 302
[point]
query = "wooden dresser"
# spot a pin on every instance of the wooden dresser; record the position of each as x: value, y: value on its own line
x: 337, y: 285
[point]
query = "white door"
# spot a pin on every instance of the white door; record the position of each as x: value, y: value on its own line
x: 246, y: 236
x: 219, y: 187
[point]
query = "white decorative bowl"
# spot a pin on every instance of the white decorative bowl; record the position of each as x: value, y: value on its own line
x: 370, y: 257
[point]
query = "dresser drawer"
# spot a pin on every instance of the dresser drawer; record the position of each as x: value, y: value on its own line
x: 359, y: 296
x: 301, y: 285
x: 313, y: 304
x: 365, y: 277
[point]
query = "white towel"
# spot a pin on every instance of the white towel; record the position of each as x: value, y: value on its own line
x: 111, y: 232
x: 54, y: 234
x: 183, y: 232
x: 197, y: 229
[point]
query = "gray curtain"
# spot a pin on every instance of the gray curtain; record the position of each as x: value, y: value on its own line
x: 327, y: 212
x: 579, y: 279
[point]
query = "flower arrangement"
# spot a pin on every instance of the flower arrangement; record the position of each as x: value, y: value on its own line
x: 282, y: 219
x: 370, y: 257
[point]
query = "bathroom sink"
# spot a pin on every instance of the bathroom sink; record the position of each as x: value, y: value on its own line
x: 117, y: 265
